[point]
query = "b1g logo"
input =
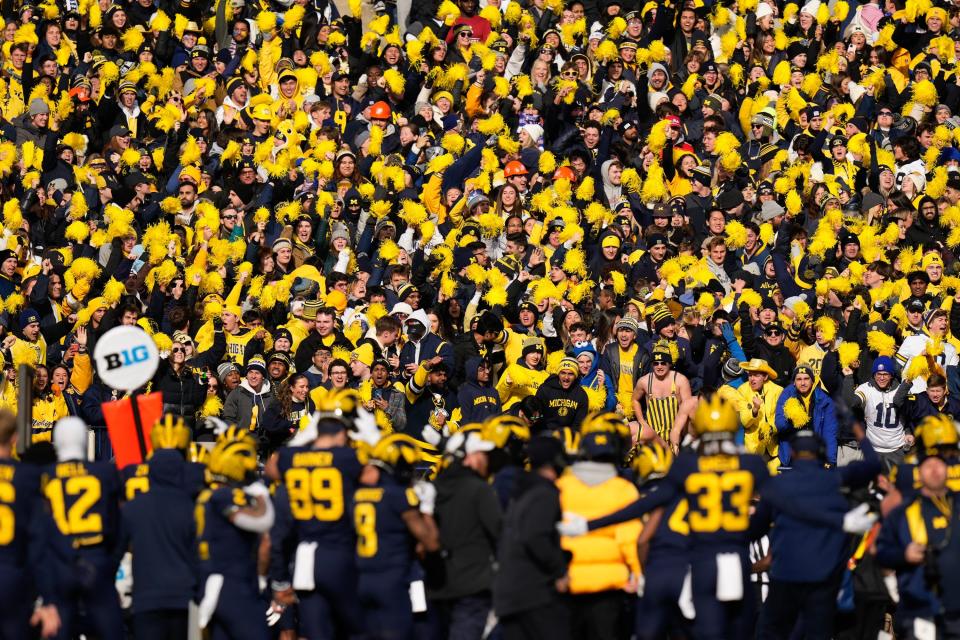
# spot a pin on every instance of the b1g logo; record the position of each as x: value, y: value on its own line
x: 126, y: 357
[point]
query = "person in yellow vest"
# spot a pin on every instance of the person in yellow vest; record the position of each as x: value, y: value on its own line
x: 523, y: 377
x: 604, y: 566
x: 757, y: 403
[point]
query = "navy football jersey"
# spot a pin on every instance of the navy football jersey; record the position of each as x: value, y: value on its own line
x: 135, y: 478
x: 222, y: 547
x: 19, y: 494
x: 383, y: 540
x: 320, y: 484
x: 717, y: 489
x: 673, y: 533
x: 83, y: 499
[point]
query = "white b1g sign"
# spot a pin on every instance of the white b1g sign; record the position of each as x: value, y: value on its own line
x: 126, y: 358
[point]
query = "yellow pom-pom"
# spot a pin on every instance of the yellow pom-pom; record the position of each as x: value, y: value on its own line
x: 823, y: 13
x: 795, y: 413
x: 751, y: 298
x: 793, y: 202
x: 586, y: 188
x: 801, y: 309
x: 840, y: 11
x: 925, y: 93
x: 12, y: 216
x: 619, y: 282
x: 508, y: 144
x: 781, y: 73
x: 212, y: 406
x: 657, y: 139
x: 130, y: 157
x: 736, y: 234
x: 918, y: 367
x: 395, y: 81
x: 881, y: 343
x: 606, y: 51
x: 492, y: 125
x: 163, y: 342
x: 14, y: 303
x: 827, y: 328
x: 547, y: 163
x: 375, y: 142
x: 77, y: 231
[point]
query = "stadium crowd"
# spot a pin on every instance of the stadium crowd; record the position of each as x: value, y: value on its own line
x: 547, y: 319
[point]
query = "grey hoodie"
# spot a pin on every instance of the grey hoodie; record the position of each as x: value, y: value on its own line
x: 238, y: 408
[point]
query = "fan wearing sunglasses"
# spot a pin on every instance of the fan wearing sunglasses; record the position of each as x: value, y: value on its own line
x: 179, y: 377
x: 763, y: 337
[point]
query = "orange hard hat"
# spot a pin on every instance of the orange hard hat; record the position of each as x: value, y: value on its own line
x: 380, y: 110
x: 566, y: 173
x: 514, y: 168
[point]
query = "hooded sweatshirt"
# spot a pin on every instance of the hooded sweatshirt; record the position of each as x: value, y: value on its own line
x: 247, y: 408
x: 430, y: 345
x: 602, y: 396
x: 161, y: 521
x: 612, y: 192
x: 562, y: 407
x: 478, y: 401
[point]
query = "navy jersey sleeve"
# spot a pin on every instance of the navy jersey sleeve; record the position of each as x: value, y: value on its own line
x: 346, y: 460
x: 282, y: 538
x: 891, y: 543
x: 659, y: 495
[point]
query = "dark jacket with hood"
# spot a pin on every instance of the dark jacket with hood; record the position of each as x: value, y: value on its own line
x: 478, y: 401
x: 466, y: 347
x: 160, y: 530
x: 238, y: 408
x: 430, y: 345
x: 468, y: 516
x: 183, y: 393
x: 531, y: 559
x: 562, y: 407
x: 779, y: 358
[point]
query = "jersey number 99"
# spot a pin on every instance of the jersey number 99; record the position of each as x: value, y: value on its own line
x: 707, y: 491
x: 315, y: 493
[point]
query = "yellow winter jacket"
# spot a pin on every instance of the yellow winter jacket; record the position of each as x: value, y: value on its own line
x: 82, y: 375
x: 298, y: 331
x: 26, y: 352
x: 760, y: 430
x: 604, y: 559
x: 8, y: 395
x: 47, y: 409
x: 518, y: 382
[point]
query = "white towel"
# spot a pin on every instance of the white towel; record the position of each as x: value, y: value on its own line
x: 303, y: 566
x: 729, y: 577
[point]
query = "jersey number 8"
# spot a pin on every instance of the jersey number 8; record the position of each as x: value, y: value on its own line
x: 365, y: 523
